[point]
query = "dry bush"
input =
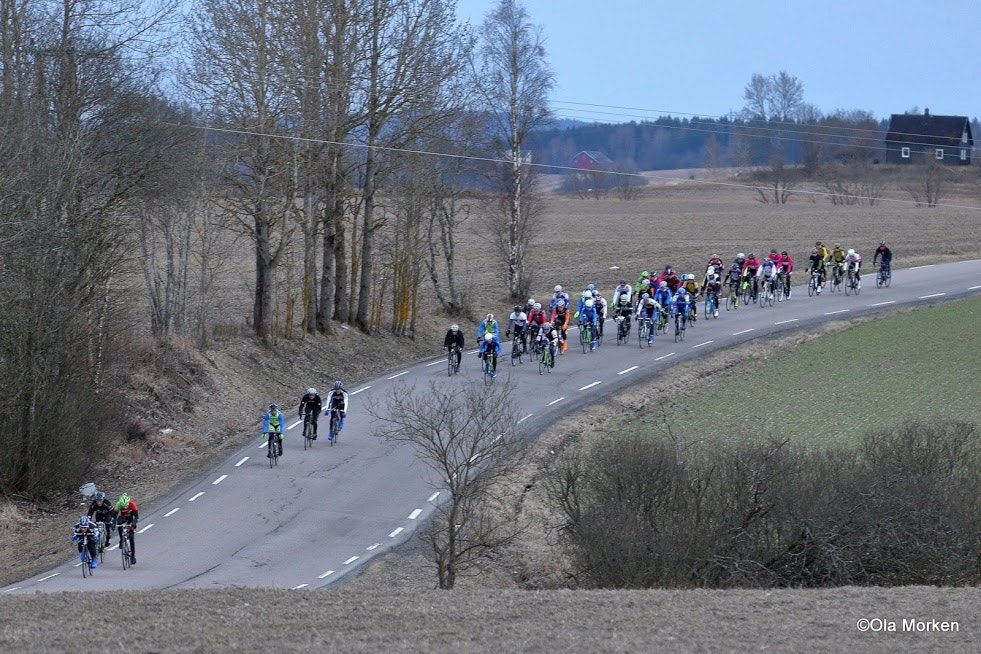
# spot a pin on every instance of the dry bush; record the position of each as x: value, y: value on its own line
x: 653, y: 511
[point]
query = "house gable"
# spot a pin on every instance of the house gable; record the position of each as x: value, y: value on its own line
x: 913, y: 137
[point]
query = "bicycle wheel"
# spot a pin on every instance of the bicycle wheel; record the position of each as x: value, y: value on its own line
x: 450, y: 363
x: 86, y: 571
x: 545, y: 361
x: 124, y: 548
x: 103, y: 537
x: 335, y: 421
x: 835, y: 282
x: 888, y: 277
x: 516, y: 350
x: 848, y: 285
x: 730, y: 302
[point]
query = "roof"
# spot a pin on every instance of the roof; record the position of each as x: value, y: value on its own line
x: 928, y: 129
x: 597, y: 156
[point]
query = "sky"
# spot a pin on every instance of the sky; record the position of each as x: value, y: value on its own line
x: 640, y: 59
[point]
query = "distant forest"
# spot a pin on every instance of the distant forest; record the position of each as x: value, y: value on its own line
x: 671, y: 143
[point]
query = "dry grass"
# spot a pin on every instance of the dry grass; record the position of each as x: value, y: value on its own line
x: 392, y: 605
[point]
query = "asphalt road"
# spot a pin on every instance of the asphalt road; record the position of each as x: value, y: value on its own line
x: 321, y: 513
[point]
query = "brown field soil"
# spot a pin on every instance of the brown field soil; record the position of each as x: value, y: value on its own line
x: 212, y: 402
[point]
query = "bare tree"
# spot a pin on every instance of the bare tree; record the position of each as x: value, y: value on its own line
x: 468, y: 438
x: 778, y: 97
x: 927, y: 182
x: 513, y: 79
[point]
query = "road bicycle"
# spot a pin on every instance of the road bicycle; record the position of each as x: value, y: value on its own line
x: 781, y: 290
x: 103, y: 538
x: 308, y: 429
x: 86, y: 556
x: 335, y: 426
x: 662, y: 321
x: 452, y: 360
x: 643, y: 332
x: 884, y: 276
x: 852, y: 283
x: 586, y: 337
x: 814, y: 283
x: 126, y: 546
x: 732, y: 299
x: 517, y: 348
x: 711, y: 304
x: 680, y: 322
x: 747, y: 293
x: 546, y: 361
x: 836, y: 277
x: 768, y: 293
x: 536, y: 343
x: 489, y: 368
x: 623, y: 329
x: 272, y: 446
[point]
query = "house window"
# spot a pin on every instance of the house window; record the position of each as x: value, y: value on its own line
x: 904, y: 153
x: 940, y: 153
x: 963, y: 154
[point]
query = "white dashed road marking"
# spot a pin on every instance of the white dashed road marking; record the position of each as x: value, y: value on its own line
x: 399, y: 374
x: 927, y: 297
x: 219, y: 480
x: 145, y: 528
x: 623, y: 372
x: 433, y: 497
x: 555, y: 401
x: 415, y: 514
x: 929, y: 265
x: 525, y: 418
x: 396, y: 532
x: 880, y: 304
x: 196, y: 496
x: 299, y: 587
x: 784, y: 322
x: 434, y: 363
x: 831, y: 313
x: 701, y: 344
x: 590, y: 385
x: 363, y: 388
x: 670, y: 354
x: 351, y: 560
x: 242, y: 461
x: 171, y: 512
x: 745, y: 331
x: 373, y: 547
x: 49, y: 576
x: 326, y: 574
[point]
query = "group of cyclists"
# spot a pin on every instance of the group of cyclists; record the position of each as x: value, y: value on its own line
x: 122, y: 515
x: 311, y: 404
x: 667, y: 291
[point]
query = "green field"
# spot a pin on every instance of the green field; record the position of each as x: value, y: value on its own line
x: 916, y: 364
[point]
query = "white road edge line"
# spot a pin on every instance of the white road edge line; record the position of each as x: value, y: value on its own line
x: 433, y: 496
x: 669, y: 354
x: 929, y: 265
x: 784, y: 322
x: 879, y: 304
x: 555, y: 401
x: 363, y: 388
x: 701, y: 344
x: 525, y: 418
x: 351, y: 560
x: 294, y: 424
x: 109, y: 549
x: 415, y: 514
x: 623, y: 372
x: 49, y: 576
x: 373, y: 547
x: 973, y: 288
x: 244, y: 459
x: 396, y: 532
x: 196, y: 496
x: 831, y: 313
x: 145, y: 528
x: 10, y: 590
x: 927, y: 297
x: 219, y: 480
x: 326, y: 574
x: 590, y: 385
x: 434, y: 363
x: 299, y: 587
x: 399, y: 374
x: 745, y: 331
x: 172, y: 512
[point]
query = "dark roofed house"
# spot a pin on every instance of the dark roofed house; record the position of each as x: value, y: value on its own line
x: 592, y: 160
x: 913, y: 137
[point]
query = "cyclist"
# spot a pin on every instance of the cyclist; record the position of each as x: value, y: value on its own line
x: 643, y: 283
x: 853, y: 261
x: 85, y: 527
x: 518, y: 320
x: 751, y: 268
x: 623, y: 288
x: 599, y: 303
x: 100, y: 510
x: 739, y: 261
x: 337, y: 401
x: 588, y: 316
x: 671, y: 277
x: 886, y: 254
x: 310, y: 405
x: 549, y: 337
x: 681, y: 307
x: 560, y: 321
x: 816, y: 262
x: 837, y: 259
x: 488, y: 324
x: 663, y: 295
x: 490, y: 345
x: 536, y: 318
x: 558, y: 294
x: 768, y: 275
x: 454, y: 340
x: 786, y: 266
x: 713, y: 286
x: 691, y: 286
x: 587, y: 294
x: 127, y: 516
x: 715, y: 261
x: 624, y: 310
x: 823, y: 251
x: 647, y: 308
x: 732, y: 278
x: 529, y: 305
x: 274, y: 422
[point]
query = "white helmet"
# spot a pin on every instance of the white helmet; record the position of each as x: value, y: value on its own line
x: 558, y: 288
x: 531, y: 301
x: 538, y: 305
x: 311, y: 391
x: 710, y: 271
x: 624, y: 299
x: 589, y: 303
x: 851, y: 252
x: 489, y: 336
x: 587, y: 294
x: 740, y: 256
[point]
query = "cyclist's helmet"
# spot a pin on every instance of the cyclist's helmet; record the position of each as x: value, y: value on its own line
x: 100, y: 497
x: 558, y: 288
x: 773, y: 250
x: 560, y: 304
x: 710, y: 271
x: 663, y: 284
x: 489, y: 336
x: 624, y: 299
x: 517, y: 309
x: 273, y: 407
x: 882, y: 244
x: 752, y: 255
x: 454, y: 327
x: 851, y: 252
x: 814, y: 250
x: 547, y: 326
x: 337, y: 384
x: 645, y: 296
x: 590, y: 287
x: 531, y: 301
x: 122, y: 501
x: 683, y: 292
x: 784, y: 253
x: 538, y: 305
x: 489, y: 316
x: 311, y: 391
x: 589, y: 303
x: 645, y: 274
x: 623, y: 281
x: 837, y: 246
x: 740, y: 256
x: 715, y: 256
x: 817, y: 243
x: 83, y: 521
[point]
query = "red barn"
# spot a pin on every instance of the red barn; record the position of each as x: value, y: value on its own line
x: 592, y: 160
